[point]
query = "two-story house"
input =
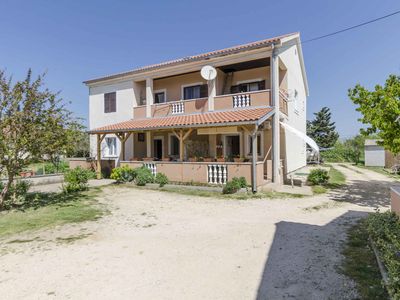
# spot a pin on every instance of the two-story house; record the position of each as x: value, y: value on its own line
x: 240, y: 122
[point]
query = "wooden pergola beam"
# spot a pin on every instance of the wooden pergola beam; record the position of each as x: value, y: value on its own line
x: 182, y: 137
x: 123, y: 137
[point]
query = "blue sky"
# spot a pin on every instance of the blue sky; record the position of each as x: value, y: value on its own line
x: 78, y: 40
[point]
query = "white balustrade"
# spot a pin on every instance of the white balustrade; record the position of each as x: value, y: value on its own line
x: 217, y: 174
x: 178, y: 108
x: 241, y: 100
x: 152, y: 167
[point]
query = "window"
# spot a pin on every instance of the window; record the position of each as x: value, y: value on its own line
x: 111, y: 146
x: 159, y: 97
x: 195, y: 91
x: 173, y: 145
x: 110, y: 102
x: 250, y: 145
x: 141, y: 137
x: 248, y: 87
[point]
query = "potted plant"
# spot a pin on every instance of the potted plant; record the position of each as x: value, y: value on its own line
x: 208, y: 159
x: 148, y: 158
x: 220, y: 159
x: 200, y: 159
x: 166, y: 159
x: 237, y: 158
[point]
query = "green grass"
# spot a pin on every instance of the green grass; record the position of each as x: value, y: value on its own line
x: 79, y: 208
x: 360, y: 264
x: 219, y: 195
x: 380, y: 170
x: 336, y: 180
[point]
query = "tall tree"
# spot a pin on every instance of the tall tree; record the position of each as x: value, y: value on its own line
x: 33, y: 123
x: 380, y: 110
x: 322, y: 129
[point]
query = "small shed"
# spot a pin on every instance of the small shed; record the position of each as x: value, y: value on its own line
x: 374, y: 154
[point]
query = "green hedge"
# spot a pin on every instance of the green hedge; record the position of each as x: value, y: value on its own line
x: 384, y: 229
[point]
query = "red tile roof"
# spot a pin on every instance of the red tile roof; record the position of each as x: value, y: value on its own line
x: 217, y: 118
x: 203, y: 56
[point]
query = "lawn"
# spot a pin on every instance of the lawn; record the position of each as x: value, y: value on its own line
x: 380, y: 170
x: 53, y: 210
x: 336, y: 180
x: 360, y: 264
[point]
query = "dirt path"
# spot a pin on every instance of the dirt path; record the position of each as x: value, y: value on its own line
x: 156, y: 245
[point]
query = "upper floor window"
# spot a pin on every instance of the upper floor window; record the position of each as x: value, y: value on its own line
x: 159, y: 97
x: 195, y: 91
x: 110, y: 102
x: 248, y: 87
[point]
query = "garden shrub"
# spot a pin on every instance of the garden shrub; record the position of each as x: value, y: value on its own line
x: 384, y: 230
x: 77, y: 179
x: 123, y: 174
x: 17, y: 193
x: 161, y: 179
x: 234, y: 185
x: 318, y: 177
x: 50, y: 168
x: 143, y: 176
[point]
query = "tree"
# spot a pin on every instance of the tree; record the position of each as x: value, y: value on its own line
x: 322, y: 130
x: 354, y: 148
x: 33, y: 123
x: 380, y: 110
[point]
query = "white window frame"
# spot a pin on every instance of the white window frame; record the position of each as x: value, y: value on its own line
x: 169, y: 144
x: 160, y: 91
x: 247, y: 145
x: 107, y: 152
x: 183, y: 86
x: 224, y: 136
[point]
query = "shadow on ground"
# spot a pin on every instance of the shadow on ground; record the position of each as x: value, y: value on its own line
x: 304, y: 259
x: 372, y: 193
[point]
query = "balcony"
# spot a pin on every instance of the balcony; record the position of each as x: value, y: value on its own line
x: 221, y: 102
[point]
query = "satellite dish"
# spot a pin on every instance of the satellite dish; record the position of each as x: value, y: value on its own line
x: 208, y: 72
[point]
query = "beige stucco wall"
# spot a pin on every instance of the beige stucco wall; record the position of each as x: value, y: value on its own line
x: 173, y: 85
x: 395, y: 200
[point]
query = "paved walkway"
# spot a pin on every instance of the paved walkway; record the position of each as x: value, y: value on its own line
x: 155, y: 245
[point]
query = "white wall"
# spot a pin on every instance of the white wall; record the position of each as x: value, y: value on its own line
x: 125, y: 101
x: 374, y: 156
x: 295, y: 146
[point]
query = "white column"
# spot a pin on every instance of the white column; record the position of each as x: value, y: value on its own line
x: 212, y: 92
x: 149, y: 96
x: 148, y: 143
x: 275, y: 122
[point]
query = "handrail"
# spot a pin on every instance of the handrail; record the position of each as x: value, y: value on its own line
x: 252, y: 92
x: 266, y: 155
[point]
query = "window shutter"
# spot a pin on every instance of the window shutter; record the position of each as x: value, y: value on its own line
x: 113, y: 106
x: 110, y: 102
x: 204, y: 91
x: 106, y: 102
x: 261, y: 85
x: 234, y: 89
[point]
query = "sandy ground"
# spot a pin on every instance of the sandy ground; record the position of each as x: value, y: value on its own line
x: 155, y: 245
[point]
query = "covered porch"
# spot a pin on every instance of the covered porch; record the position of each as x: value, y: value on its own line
x: 208, y: 148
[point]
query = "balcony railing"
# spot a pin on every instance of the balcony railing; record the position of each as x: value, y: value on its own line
x: 221, y: 102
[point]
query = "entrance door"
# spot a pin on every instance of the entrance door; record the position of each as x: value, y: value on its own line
x: 232, y: 146
x: 158, y: 148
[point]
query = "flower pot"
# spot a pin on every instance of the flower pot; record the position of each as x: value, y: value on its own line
x: 208, y: 159
x: 237, y: 159
x: 148, y: 158
x: 165, y: 159
x: 221, y: 159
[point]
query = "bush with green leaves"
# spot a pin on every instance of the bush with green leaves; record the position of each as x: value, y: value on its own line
x: 161, y: 179
x: 17, y: 193
x: 77, y: 179
x: 384, y: 230
x: 318, y: 177
x: 50, y: 168
x: 123, y: 174
x: 234, y: 185
x: 143, y: 176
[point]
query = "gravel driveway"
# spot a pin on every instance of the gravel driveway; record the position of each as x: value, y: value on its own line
x: 155, y: 245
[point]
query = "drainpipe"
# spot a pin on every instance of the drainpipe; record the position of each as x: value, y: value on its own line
x: 254, y: 160
x: 275, y: 121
